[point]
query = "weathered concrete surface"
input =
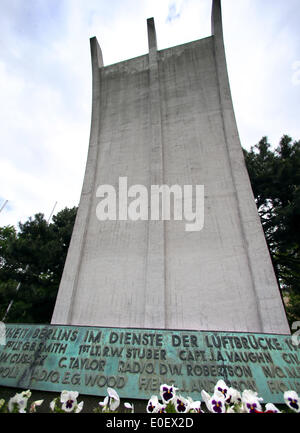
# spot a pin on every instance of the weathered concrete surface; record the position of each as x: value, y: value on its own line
x: 167, y: 118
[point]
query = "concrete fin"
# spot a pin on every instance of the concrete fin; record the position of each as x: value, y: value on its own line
x: 152, y: 43
x: 216, y: 18
x: 96, y: 53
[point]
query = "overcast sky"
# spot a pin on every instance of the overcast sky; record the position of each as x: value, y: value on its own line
x: 45, y: 81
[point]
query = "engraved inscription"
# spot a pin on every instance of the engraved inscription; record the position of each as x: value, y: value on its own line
x: 136, y: 362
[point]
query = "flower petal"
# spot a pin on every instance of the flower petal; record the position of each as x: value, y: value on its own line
x: 182, y: 405
x: 152, y: 404
x: 79, y: 407
x: 271, y: 408
x: 291, y: 399
x: 113, y: 393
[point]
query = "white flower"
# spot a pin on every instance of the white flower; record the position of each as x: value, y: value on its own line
x: 53, y: 404
x: 222, y: 387
x: 18, y: 402
x: 195, y: 407
x: 114, y: 399
x: 160, y: 408
x: 233, y: 396
x: 291, y: 398
x: 26, y: 394
x: 111, y: 401
x: 79, y: 407
x: 205, y: 396
x: 182, y: 405
x: 215, y: 403
x: 168, y: 393
x: 129, y: 406
x: 270, y: 408
x: 152, y: 404
x: 34, y: 405
x: 68, y: 400
x: 104, y: 404
x: 251, y: 401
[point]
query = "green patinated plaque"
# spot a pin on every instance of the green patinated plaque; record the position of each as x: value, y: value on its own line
x: 135, y: 362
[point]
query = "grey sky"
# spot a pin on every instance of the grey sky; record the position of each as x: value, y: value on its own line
x: 45, y: 80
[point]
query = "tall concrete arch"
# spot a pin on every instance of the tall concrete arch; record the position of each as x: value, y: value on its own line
x: 167, y: 117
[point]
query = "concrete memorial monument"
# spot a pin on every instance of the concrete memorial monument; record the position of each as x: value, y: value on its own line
x: 168, y: 277
x: 166, y: 118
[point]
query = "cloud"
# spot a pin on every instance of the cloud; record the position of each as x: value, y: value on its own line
x: 45, y: 119
x: 173, y: 13
x: 261, y: 45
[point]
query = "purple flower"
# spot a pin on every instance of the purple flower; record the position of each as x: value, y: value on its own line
x: 69, y: 404
x: 252, y: 408
x: 167, y: 393
x: 182, y: 405
x: 68, y: 400
x: 160, y: 408
x: 251, y: 401
x: 195, y: 407
x: 150, y: 407
x: 293, y: 403
x: 291, y: 398
x: 217, y: 406
x: 152, y: 404
x: 221, y: 387
x: 215, y: 403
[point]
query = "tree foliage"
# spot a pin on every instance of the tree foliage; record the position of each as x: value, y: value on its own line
x: 33, y: 256
x: 275, y: 179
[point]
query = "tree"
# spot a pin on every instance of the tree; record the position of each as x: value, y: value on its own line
x: 34, y: 256
x: 275, y: 179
